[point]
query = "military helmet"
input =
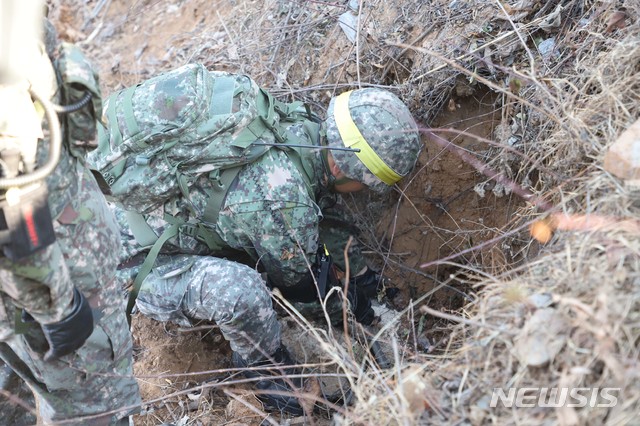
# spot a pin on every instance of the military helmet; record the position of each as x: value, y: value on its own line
x: 381, y: 126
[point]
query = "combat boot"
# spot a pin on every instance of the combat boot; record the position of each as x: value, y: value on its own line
x: 274, y: 379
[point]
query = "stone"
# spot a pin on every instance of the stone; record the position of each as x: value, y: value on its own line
x: 541, y: 338
x: 623, y: 158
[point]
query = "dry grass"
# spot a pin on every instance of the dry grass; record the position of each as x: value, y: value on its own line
x: 588, y: 280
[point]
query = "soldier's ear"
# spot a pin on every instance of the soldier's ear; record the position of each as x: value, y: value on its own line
x: 335, y: 170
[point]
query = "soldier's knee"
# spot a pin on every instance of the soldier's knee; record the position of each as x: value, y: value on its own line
x: 223, y: 291
x: 243, y: 295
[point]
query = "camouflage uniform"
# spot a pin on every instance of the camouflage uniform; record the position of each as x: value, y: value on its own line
x: 268, y: 215
x: 97, y: 377
x: 273, y: 212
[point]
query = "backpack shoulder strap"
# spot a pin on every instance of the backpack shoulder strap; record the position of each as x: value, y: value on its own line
x: 140, y: 229
x: 147, y: 265
x: 223, y: 179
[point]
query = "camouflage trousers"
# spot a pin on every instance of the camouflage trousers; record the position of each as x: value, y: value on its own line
x: 95, y: 384
x: 186, y: 288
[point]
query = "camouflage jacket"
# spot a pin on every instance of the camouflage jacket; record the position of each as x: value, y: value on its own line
x: 267, y: 214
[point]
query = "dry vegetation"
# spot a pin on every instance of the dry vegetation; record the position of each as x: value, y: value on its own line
x: 564, y: 82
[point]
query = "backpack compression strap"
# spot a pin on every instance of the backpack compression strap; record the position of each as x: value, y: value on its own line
x: 170, y: 232
x: 146, y: 237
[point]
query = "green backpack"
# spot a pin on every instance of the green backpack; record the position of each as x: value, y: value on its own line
x: 166, y: 132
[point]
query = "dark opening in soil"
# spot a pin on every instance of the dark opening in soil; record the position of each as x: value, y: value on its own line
x: 441, y: 214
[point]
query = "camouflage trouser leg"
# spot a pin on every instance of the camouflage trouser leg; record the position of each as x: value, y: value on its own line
x: 94, y: 380
x: 234, y: 296
x: 98, y: 377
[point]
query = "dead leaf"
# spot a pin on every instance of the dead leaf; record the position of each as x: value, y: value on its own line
x: 287, y: 255
x: 553, y: 20
x: 623, y: 157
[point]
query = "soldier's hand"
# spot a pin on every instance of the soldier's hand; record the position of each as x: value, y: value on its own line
x: 362, y: 310
x: 67, y: 335
x: 373, y: 285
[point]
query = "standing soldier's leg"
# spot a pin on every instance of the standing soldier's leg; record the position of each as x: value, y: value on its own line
x: 98, y: 377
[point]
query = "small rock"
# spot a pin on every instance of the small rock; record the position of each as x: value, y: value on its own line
x: 541, y: 338
x: 623, y: 157
x: 547, y: 47
x: 541, y: 300
x: 349, y: 24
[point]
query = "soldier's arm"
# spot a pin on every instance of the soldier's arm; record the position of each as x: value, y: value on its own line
x: 39, y: 284
x: 282, y: 238
x: 337, y: 225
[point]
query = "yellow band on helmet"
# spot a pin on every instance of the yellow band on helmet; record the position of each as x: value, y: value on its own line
x: 352, y: 138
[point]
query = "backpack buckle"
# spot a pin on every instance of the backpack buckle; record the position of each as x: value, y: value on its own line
x: 216, y: 180
x: 189, y: 229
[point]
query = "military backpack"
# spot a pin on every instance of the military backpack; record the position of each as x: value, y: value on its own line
x: 166, y: 132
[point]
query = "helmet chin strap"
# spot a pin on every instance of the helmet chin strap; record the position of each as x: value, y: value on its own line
x: 352, y: 138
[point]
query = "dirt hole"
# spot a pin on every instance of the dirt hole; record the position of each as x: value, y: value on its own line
x: 443, y: 213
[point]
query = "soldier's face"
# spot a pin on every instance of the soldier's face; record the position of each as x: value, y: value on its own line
x: 348, y: 186
x: 342, y: 183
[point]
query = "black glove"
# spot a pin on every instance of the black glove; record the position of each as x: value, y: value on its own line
x: 325, y: 275
x: 361, y: 305
x: 305, y: 291
x: 373, y: 285
x: 69, y: 334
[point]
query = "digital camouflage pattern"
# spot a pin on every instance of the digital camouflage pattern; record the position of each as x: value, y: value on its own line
x: 387, y: 125
x: 169, y: 130
x: 273, y: 212
x: 184, y: 288
x: 78, y: 78
x: 96, y: 378
x: 267, y: 214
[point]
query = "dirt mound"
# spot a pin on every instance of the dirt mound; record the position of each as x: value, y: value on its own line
x: 518, y: 102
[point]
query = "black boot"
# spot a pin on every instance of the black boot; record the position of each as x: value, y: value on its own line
x: 272, y: 379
